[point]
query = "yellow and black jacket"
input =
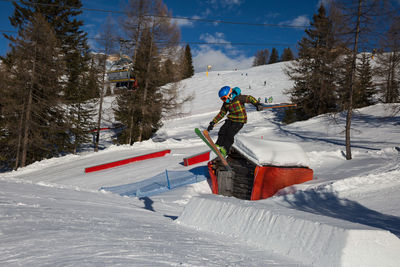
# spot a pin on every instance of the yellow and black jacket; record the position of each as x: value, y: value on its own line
x: 235, y: 109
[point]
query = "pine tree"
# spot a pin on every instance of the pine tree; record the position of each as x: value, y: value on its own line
x: 354, y: 21
x: 35, y: 66
x: 313, y: 71
x: 140, y: 110
x: 145, y: 104
x: 343, y: 80
x: 126, y: 113
x: 81, y: 109
x: 364, y: 89
x: 168, y: 72
x: 107, y: 44
x: 388, y: 63
x: 188, y: 63
x: 287, y: 55
x: 261, y: 57
x: 7, y: 116
x: 274, y: 58
x: 61, y: 15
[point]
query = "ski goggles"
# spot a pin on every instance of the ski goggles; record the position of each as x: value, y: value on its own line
x: 226, y: 97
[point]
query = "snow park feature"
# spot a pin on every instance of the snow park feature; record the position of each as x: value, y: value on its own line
x: 126, y: 161
x: 294, y: 233
x: 260, y: 169
x: 197, y: 158
x: 160, y: 183
x: 53, y: 214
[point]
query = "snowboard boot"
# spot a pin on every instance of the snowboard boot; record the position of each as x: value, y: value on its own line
x: 222, y: 150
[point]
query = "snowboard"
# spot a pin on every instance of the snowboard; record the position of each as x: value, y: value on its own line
x: 207, y: 139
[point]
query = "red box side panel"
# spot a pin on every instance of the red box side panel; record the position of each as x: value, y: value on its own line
x: 214, y: 181
x: 269, y: 180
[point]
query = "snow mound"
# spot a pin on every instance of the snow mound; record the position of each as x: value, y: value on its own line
x: 298, y: 235
x: 271, y: 153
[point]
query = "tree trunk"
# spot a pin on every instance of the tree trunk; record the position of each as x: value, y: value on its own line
x: 146, y: 85
x: 28, y: 113
x: 138, y: 29
x: 77, y: 132
x: 392, y: 98
x: 20, y: 134
x: 352, y: 77
x: 27, y: 124
x: 96, y: 145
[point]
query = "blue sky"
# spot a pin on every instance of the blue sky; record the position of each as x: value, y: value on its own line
x: 221, y: 57
x: 226, y: 57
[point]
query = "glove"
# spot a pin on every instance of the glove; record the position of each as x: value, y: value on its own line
x: 260, y: 107
x: 211, y: 126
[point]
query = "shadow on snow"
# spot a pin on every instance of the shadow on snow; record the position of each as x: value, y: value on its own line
x: 329, y: 204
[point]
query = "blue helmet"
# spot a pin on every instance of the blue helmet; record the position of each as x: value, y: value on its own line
x: 224, y: 91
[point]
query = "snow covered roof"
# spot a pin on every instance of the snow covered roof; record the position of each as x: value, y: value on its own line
x: 271, y: 153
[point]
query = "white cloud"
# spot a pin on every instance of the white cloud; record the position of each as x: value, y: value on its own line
x: 227, y: 4
x: 185, y: 22
x: 232, y: 2
x: 219, y: 60
x: 272, y: 15
x: 300, y: 21
x: 218, y: 37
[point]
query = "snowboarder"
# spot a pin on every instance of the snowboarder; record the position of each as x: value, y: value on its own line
x: 233, y: 105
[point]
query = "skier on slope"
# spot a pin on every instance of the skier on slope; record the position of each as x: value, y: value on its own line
x: 234, y: 104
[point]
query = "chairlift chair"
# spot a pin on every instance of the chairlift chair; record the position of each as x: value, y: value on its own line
x: 122, y: 75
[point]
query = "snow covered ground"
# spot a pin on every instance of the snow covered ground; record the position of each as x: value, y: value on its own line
x: 53, y: 214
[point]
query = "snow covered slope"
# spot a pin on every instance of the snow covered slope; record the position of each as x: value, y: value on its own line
x: 52, y: 213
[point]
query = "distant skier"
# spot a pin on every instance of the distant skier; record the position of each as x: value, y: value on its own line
x: 233, y: 105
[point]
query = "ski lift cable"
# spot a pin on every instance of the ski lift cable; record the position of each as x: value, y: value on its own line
x: 170, y: 17
x: 186, y: 42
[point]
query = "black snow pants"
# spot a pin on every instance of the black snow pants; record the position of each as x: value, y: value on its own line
x: 227, y: 134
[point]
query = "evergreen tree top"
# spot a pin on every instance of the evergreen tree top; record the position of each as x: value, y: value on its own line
x: 56, y: 12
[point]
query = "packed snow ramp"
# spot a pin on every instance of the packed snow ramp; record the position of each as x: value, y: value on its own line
x: 309, y: 238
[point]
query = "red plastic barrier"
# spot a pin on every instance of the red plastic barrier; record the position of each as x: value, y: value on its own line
x: 204, y: 156
x: 102, y: 129
x: 214, y: 180
x: 269, y: 180
x: 126, y: 161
